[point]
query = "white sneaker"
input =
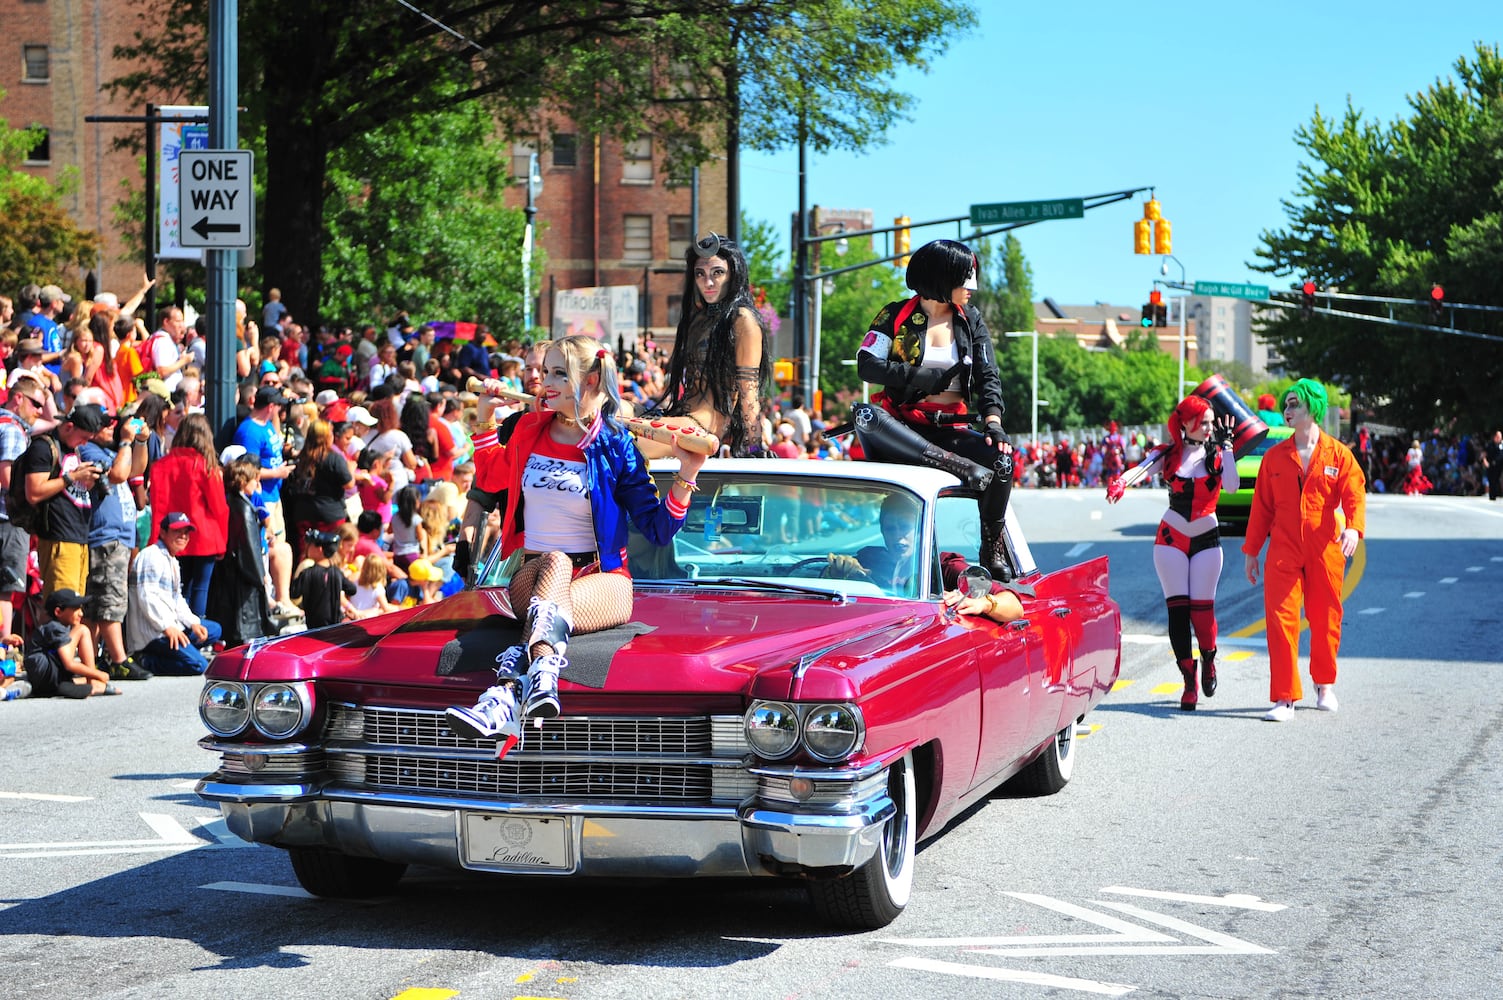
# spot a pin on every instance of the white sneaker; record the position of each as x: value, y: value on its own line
x: 1325, y: 698
x: 493, y: 716
x: 1282, y: 711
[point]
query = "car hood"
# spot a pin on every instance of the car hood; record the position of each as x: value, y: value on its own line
x: 719, y: 640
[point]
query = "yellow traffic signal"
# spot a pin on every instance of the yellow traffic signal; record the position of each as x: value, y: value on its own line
x: 1142, y: 237
x: 782, y: 371
x: 900, y: 239
x: 1151, y: 210
x: 1161, y: 241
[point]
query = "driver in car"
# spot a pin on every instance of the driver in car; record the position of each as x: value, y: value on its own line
x: 893, y: 565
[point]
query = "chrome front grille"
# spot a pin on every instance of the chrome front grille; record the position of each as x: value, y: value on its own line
x: 510, y: 778
x: 612, y: 758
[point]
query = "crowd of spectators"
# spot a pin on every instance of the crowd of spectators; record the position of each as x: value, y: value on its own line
x: 135, y: 538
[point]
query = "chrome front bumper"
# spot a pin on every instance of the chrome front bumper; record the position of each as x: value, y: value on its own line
x: 756, y: 837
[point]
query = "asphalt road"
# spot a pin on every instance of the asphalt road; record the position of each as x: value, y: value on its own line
x: 1193, y: 855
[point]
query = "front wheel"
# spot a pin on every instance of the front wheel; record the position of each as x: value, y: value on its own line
x: 873, y: 895
x: 1051, y: 769
x: 325, y: 872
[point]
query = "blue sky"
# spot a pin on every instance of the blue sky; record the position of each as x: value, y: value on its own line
x: 1199, y: 100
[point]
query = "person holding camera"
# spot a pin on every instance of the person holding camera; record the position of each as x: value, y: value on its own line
x: 64, y: 488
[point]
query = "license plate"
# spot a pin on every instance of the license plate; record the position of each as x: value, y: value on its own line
x: 521, y: 844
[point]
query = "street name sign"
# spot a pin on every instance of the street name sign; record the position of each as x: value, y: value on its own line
x: 1027, y: 211
x: 1231, y: 289
x: 215, y: 199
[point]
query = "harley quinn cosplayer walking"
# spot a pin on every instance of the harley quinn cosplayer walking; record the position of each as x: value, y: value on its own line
x: 577, y: 472
x: 1198, y: 464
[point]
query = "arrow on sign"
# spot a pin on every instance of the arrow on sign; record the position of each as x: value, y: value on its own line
x: 203, y: 227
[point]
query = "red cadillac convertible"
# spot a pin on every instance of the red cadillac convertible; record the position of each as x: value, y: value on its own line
x: 778, y: 706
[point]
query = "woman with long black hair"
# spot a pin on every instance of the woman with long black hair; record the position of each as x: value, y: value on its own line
x: 720, y: 356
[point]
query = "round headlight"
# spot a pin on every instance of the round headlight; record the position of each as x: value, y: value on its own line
x: 832, y: 732
x: 224, y: 708
x: 278, y: 711
x: 772, y: 729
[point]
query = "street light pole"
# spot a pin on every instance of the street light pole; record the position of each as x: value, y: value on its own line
x: 534, y: 188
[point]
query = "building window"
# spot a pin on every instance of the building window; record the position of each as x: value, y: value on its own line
x: 36, y: 64
x: 636, y: 232
x: 42, y: 151
x: 679, y: 235
x: 675, y: 309
x: 636, y: 161
x: 521, y: 159
x: 565, y: 149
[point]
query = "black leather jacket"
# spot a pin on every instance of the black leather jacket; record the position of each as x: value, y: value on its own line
x: 889, y: 357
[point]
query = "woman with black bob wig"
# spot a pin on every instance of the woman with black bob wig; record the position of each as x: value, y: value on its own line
x: 933, y: 357
x: 720, y: 360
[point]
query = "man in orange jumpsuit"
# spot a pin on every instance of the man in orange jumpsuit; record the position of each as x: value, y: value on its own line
x: 1310, y: 502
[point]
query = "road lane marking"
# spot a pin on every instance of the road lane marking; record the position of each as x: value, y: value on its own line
x: 1447, y: 579
x: 1237, y: 656
x: 1241, y: 900
x: 1372, y: 611
x: 170, y: 833
x: 1474, y: 569
x: 1223, y: 942
x: 1012, y: 976
x: 1415, y: 593
x: 1143, y: 638
x: 1349, y: 584
x: 425, y: 993
x: 1077, y: 549
x: 45, y: 797
x: 1168, y: 688
x: 1095, y: 515
x: 1123, y: 932
x: 1121, y: 683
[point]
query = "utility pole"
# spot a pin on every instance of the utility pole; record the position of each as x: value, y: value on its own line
x: 222, y: 265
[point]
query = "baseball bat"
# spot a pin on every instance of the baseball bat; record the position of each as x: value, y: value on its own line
x: 689, y: 438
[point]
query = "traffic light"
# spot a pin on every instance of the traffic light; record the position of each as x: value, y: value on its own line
x: 1437, y: 304
x: 1161, y: 242
x: 900, y: 239
x: 1142, y: 237
x: 1147, y: 320
x: 782, y: 371
x: 1161, y: 315
x: 1152, y: 310
x: 1307, y: 300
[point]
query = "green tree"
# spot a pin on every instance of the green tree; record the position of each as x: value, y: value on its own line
x: 1005, y: 295
x: 315, y: 76
x: 39, y: 241
x: 1391, y: 210
x: 767, y: 263
x: 415, y: 218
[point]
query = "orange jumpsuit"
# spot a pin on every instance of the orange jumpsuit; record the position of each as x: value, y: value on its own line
x: 1302, y: 513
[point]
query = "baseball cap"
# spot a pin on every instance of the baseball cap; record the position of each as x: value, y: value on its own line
x: 176, y: 520
x: 52, y: 293
x: 107, y: 299
x: 88, y: 417
x: 230, y: 453
x: 65, y: 598
x: 326, y: 397
x: 31, y: 345
x: 361, y: 415
x: 268, y: 367
x: 337, y: 412
x: 268, y: 395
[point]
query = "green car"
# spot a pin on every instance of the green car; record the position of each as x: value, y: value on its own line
x: 1233, y: 509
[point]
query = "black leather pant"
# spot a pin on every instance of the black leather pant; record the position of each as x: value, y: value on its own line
x: 958, y: 450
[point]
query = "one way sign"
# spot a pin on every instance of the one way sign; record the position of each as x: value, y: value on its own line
x: 215, y: 199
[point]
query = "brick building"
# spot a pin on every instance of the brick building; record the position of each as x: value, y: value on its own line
x: 53, y: 74
x: 610, y: 214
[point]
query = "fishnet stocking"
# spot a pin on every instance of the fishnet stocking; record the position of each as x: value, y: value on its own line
x: 590, y: 603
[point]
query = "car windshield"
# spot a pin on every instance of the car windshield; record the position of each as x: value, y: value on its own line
x: 1273, y: 437
x: 808, y: 532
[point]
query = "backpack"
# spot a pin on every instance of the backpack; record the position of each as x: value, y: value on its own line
x: 29, y: 517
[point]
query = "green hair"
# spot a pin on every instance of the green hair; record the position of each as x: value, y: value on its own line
x: 1313, y: 395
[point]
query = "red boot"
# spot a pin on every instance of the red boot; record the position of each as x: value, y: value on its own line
x: 1188, y: 699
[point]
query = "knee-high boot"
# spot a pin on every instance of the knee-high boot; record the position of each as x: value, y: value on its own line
x: 996, y: 554
x: 1208, y: 671
x: 885, y: 439
x: 1188, y: 699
